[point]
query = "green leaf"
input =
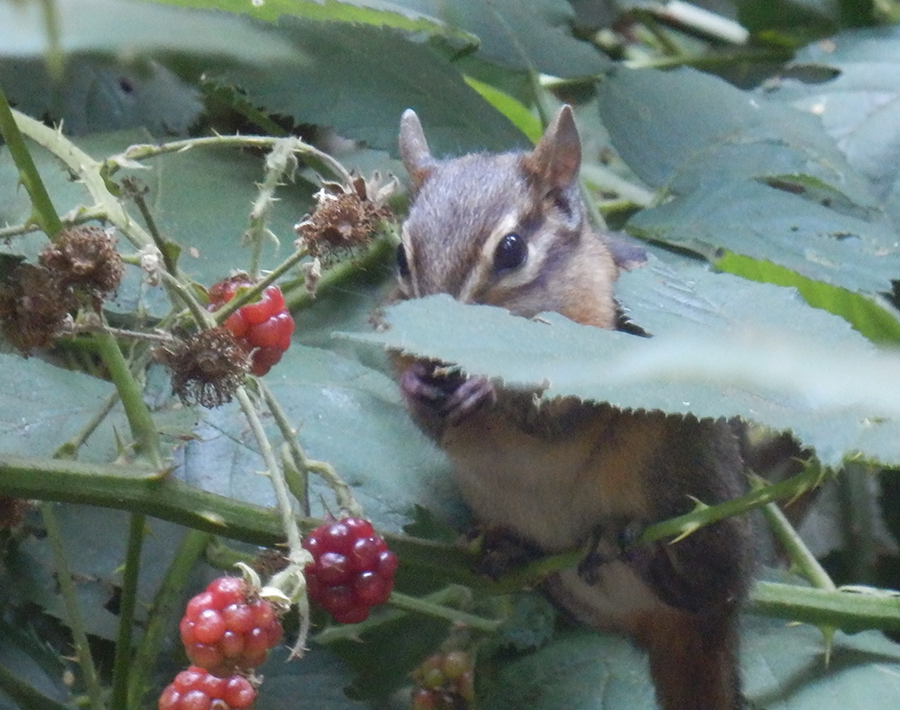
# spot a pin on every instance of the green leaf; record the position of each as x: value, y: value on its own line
x: 514, y: 110
x: 388, y: 462
x: 755, y: 178
x: 360, y: 79
x: 380, y: 13
x: 721, y: 347
x: 858, y: 102
x: 525, y: 35
x: 784, y: 667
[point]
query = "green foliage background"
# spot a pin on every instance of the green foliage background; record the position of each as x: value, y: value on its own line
x: 764, y: 180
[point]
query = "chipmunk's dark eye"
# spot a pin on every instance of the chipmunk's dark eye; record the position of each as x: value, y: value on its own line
x: 402, y: 263
x: 510, y: 253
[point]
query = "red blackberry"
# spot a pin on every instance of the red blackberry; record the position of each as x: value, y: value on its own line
x: 353, y: 570
x: 263, y: 327
x: 197, y: 689
x: 228, y: 627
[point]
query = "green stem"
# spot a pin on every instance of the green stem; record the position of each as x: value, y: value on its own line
x: 144, y: 151
x: 164, y: 605
x: 253, y: 293
x: 42, y: 211
x: 847, y: 610
x: 143, y: 428
x: 122, y: 665
x: 24, y: 695
x: 342, y: 492
x: 297, y: 296
x: 88, y: 171
x: 203, y: 317
x: 282, y: 497
x: 704, y: 515
x: 434, y: 604
x: 73, y: 612
x: 141, y: 490
x: 428, y: 608
x: 279, y: 161
x: 797, y: 551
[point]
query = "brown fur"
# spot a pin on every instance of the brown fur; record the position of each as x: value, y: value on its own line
x: 566, y: 472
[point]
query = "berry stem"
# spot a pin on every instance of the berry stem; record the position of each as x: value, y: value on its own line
x: 144, y: 151
x: 342, y: 492
x: 89, y: 171
x: 279, y: 487
x: 122, y: 662
x: 279, y: 162
x: 42, y: 210
x: 434, y: 605
x: 253, y: 293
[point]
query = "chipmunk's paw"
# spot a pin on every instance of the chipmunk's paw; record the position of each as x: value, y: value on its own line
x: 448, y: 397
x: 611, y: 541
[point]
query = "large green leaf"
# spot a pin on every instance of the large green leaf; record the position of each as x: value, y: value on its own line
x: 784, y: 667
x: 359, y: 79
x: 721, y: 347
x: 852, y: 82
x: 521, y: 34
x: 754, y: 177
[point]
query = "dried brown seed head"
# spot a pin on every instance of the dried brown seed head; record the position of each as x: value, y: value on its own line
x: 86, y: 259
x: 207, y: 367
x: 33, y: 307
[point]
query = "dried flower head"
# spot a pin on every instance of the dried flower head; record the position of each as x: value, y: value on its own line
x: 207, y: 367
x: 33, y: 307
x: 86, y: 259
x: 345, y: 218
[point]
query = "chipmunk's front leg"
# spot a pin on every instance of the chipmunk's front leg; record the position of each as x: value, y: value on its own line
x: 438, y: 399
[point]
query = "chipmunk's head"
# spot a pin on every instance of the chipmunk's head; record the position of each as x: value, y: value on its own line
x: 506, y: 230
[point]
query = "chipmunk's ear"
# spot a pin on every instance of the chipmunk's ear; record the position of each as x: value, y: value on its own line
x: 556, y: 158
x: 414, y: 149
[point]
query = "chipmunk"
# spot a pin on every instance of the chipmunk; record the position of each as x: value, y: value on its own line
x: 510, y: 230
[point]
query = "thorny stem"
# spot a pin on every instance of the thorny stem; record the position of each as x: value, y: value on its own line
x: 122, y: 665
x: 164, y: 247
x: 279, y: 162
x: 342, y: 492
x: 282, y: 497
x: 70, y: 600
x: 89, y: 172
x: 143, y: 428
x: 705, y: 514
x: 435, y: 605
x: 203, y: 317
x: 42, y: 210
x: 144, y: 151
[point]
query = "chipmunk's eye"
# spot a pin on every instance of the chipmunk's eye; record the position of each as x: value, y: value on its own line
x: 402, y: 263
x: 510, y: 253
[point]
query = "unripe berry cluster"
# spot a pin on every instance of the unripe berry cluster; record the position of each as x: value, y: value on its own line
x: 444, y: 682
x: 352, y: 571
x: 263, y: 328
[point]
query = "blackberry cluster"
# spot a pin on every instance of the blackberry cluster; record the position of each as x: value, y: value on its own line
x: 262, y: 328
x: 226, y: 627
x: 198, y: 689
x: 353, y: 570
